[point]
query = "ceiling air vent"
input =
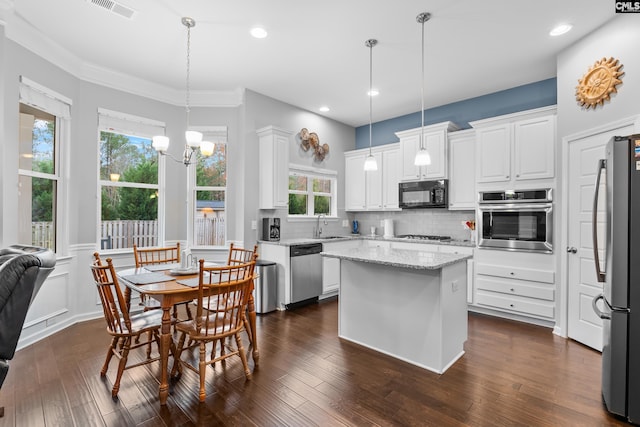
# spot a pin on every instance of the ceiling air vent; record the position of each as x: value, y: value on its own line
x: 114, y: 7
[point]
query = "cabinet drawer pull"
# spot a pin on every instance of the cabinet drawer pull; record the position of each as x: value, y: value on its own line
x: 512, y: 273
x: 512, y: 290
x: 511, y: 305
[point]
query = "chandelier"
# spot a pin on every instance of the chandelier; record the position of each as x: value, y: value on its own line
x: 193, y: 139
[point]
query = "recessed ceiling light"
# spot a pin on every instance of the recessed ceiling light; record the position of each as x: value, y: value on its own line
x: 560, y: 29
x: 373, y: 92
x: 324, y: 108
x: 258, y: 32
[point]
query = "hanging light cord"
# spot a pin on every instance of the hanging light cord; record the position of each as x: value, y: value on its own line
x: 188, y: 71
x: 371, y: 44
x: 422, y: 93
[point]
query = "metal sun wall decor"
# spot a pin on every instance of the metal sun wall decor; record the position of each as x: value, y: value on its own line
x: 311, y: 140
x: 600, y: 80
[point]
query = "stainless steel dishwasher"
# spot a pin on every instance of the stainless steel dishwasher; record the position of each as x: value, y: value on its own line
x: 306, y: 272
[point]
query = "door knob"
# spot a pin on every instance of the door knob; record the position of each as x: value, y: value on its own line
x: 572, y: 250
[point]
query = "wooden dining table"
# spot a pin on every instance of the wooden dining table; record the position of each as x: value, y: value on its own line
x: 169, y: 292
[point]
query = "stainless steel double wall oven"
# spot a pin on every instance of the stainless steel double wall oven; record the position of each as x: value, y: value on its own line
x: 516, y: 220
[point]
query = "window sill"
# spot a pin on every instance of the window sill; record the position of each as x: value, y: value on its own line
x: 310, y: 218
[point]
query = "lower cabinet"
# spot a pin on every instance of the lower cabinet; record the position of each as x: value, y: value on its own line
x: 330, y: 275
x: 518, y: 290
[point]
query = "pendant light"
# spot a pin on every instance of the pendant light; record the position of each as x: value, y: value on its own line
x: 423, y: 158
x: 193, y: 139
x: 370, y: 164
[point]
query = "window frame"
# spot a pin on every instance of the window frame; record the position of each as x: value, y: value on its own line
x: 218, y: 135
x: 133, y: 126
x: 42, y: 98
x: 311, y: 173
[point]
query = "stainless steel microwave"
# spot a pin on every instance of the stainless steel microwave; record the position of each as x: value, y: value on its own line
x: 516, y: 220
x: 423, y: 194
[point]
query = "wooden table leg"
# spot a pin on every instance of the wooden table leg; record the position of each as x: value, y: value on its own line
x: 252, y: 325
x: 165, y: 344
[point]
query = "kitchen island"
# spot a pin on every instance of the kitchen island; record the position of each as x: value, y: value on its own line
x: 408, y: 304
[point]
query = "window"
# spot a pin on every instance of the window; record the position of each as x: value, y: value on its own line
x: 129, y: 182
x: 210, y: 187
x: 44, y: 122
x: 312, y: 192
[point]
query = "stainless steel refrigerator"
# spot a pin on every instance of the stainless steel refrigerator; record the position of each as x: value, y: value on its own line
x: 620, y: 275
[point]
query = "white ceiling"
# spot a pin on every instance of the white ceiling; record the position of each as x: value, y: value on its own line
x: 315, y: 53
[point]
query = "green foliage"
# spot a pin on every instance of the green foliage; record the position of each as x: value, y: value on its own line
x: 297, y: 204
x: 42, y: 199
x: 139, y: 203
x: 321, y: 205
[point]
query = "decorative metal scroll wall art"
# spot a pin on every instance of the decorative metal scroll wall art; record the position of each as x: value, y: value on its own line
x: 310, y: 140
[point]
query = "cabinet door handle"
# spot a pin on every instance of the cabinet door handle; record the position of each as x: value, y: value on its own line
x: 512, y: 290
x: 572, y: 250
x: 511, y: 305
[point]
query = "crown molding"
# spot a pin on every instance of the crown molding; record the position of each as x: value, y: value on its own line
x: 24, y: 34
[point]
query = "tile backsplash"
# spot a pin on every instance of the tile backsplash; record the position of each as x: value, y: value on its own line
x: 440, y: 222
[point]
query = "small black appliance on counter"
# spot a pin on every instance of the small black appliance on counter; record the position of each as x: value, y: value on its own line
x: 271, y: 229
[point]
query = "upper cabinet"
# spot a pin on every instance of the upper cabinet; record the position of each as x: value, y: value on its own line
x: 435, y: 141
x: 372, y: 190
x: 516, y: 148
x: 462, y: 164
x: 274, y: 167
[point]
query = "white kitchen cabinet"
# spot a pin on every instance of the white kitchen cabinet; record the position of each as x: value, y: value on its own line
x: 273, y: 147
x: 435, y: 141
x: 515, y: 149
x: 330, y: 275
x: 518, y: 284
x: 354, y: 182
x: 390, y: 177
x: 462, y: 160
x: 372, y: 190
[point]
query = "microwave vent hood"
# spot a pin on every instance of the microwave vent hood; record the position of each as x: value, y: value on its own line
x: 423, y: 194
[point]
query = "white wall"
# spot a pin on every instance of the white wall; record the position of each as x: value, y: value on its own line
x: 618, y: 39
x: 261, y: 111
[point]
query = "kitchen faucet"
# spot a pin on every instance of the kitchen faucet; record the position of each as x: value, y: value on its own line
x: 318, y: 230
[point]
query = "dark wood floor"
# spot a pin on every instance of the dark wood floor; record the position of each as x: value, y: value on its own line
x: 512, y: 374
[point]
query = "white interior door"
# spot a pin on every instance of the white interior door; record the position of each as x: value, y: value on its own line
x: 584, y: 153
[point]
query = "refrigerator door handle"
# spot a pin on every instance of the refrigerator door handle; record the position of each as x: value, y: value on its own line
x: 602, y: 164
x: 594, y: 304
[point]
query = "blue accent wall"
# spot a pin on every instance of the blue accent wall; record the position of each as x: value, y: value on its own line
x: 521, y: 98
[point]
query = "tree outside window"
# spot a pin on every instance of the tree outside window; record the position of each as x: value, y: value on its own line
x: 311, y: 194
x: 38, y: 178
x: 129, y: 191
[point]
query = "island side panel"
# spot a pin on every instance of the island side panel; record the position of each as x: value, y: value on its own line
x: 396, y: 311
x: 455, y: 319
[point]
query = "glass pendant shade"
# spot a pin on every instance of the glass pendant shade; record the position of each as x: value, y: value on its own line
x: 423, y: 158
x: 160, y: 143
x: 370, y: 164
x: 206, y: 148
x: 193, y: 138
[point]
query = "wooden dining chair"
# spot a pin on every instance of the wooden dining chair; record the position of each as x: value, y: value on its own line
x: 150, y: 256
x: 241, y: 256
x: 223, y: 293
x: 122, y: 326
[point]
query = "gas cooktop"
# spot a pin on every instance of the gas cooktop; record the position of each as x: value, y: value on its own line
x: 424, y: 237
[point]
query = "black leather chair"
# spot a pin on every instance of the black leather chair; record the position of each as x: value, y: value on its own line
x: 23, y: 270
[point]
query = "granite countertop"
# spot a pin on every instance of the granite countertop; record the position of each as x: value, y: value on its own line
x: 420, y: 260
x: 305, y: 240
